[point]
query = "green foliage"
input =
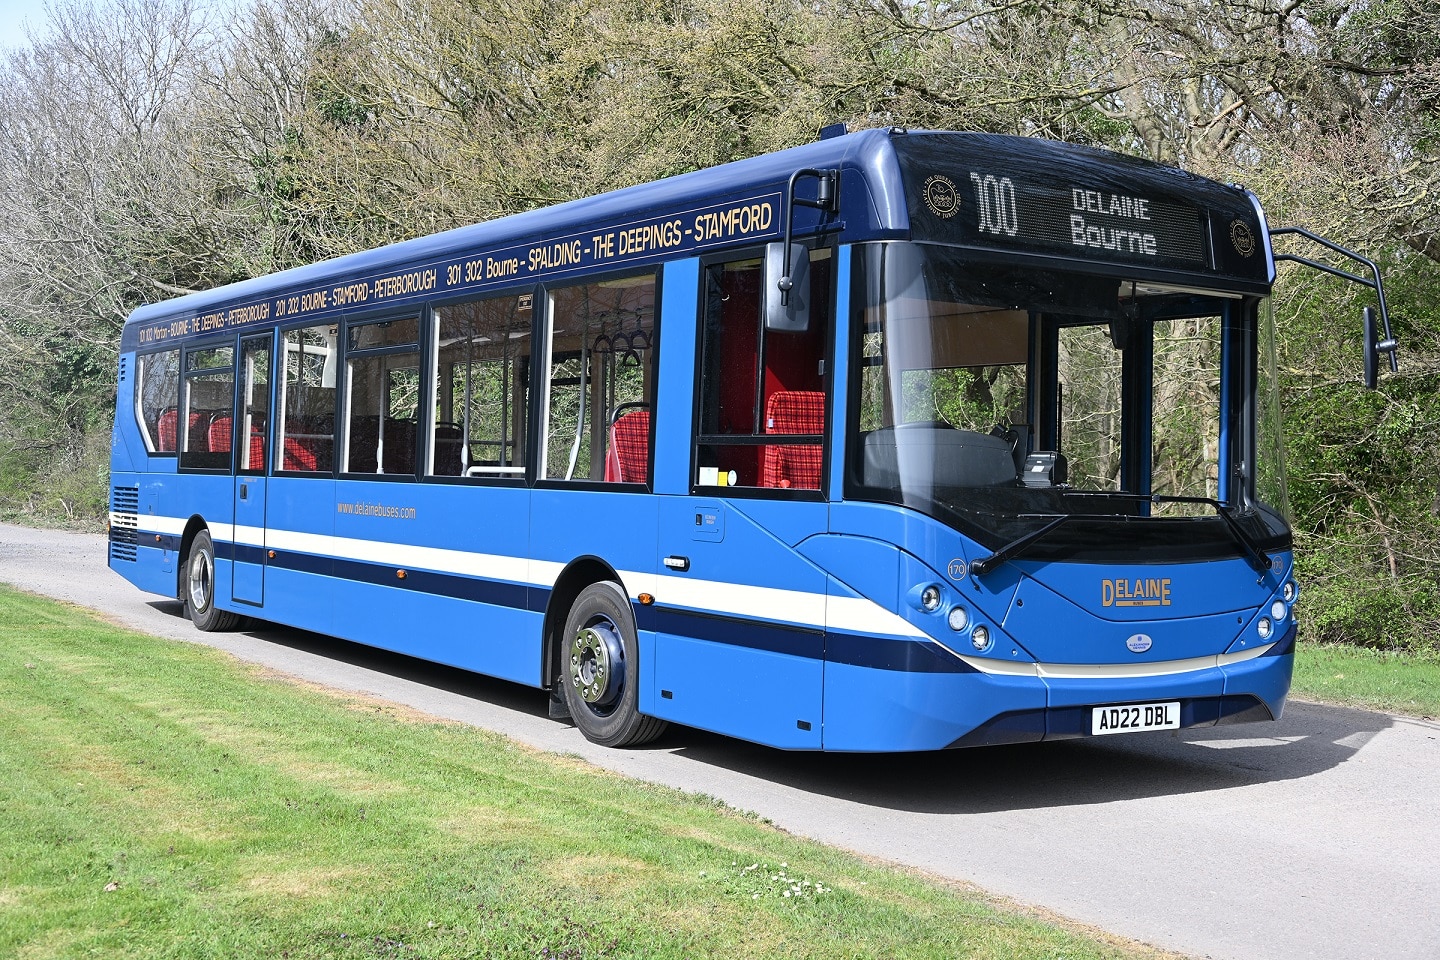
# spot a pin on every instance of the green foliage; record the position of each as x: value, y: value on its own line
x: 1362, y: 484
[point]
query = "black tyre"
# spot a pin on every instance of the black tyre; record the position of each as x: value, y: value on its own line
x: 199, y: 587
x: 600, y: 669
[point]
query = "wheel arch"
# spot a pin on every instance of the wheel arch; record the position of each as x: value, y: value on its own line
x: 577, y: 575
x: 194, y: 525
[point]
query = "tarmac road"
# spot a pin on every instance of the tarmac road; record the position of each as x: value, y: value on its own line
x: 1313, y: 837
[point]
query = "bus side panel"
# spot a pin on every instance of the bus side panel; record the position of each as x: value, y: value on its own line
x: 174, y: 500
x: 423, y: 572
x: 145, y: 557
x: 617, y: 528
x: 870, y: 709
x: 740, y: 633
x: 757, y: 695
x: 299, y: 528
x: 497, y: 641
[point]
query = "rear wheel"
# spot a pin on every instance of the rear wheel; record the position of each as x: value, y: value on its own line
x: 200, y: 587
x: 600, y: 669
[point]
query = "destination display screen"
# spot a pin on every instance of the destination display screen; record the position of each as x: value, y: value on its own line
x: 1034, y: 196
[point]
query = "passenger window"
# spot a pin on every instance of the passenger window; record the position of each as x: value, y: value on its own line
x: 306, y: 441
x: 206, y: 403
x: 482, y: 388
x: 600, y: 382
x: 157, y: 400
x: 383, y: 395
x: 762, y: 392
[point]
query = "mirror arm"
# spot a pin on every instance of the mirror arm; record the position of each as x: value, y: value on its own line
x: 826, y: 199
x: 1389, y: 345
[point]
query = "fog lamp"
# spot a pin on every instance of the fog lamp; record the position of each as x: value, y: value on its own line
x: 1263, y: 628
x: 980, y: 637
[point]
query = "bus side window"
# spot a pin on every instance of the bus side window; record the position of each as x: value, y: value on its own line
x: 482, y: 388
x: 600, y: 381
x: 762, y: 392
x: 382, y: 361
x: 306, y: 441
x: 157, y: 400
x: 207, y: 398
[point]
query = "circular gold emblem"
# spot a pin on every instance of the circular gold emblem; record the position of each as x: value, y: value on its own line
x: 941, y: 196
x: 1242, y: 238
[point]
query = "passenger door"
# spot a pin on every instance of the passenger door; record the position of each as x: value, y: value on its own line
x: 250, y: 445
x: 739, y: 613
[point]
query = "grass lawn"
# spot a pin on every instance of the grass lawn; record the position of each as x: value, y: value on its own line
x: 163, y: 800
x: 1376, y: 680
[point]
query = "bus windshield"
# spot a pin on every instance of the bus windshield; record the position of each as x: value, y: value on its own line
x: 1000, y: 398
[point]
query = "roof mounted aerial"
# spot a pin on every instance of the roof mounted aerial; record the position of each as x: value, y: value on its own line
x: 1374, y: 346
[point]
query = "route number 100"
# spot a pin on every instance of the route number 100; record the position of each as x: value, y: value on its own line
x: 995, y: 199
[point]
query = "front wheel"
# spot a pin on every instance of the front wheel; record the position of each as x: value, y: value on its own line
x: 200, y: 587
x: 600, y: 669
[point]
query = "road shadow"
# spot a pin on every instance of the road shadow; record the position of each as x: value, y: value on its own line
x: 1310, y: 739
x: 436, y: 676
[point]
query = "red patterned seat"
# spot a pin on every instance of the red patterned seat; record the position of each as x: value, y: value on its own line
x: 628, y: 459
x: 198, y: 434
x: 794, y: 412
x: 299, y: 455
x: 165, y: 432
x: 220, y: 435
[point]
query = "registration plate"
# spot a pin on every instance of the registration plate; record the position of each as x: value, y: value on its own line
x: 1135, y: 718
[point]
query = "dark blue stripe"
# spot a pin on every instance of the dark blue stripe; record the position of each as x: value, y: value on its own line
x: 753, y: 634
x: 160, y: 541
x: 247, y: 553
x: 904, y: 656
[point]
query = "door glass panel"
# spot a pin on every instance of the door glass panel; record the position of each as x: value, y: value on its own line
x: 254, y: 404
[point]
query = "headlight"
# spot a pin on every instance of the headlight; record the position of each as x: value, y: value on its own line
x: 959, y: 619
x: 930, y: 599
x: 1263, y: 628
x: 1288, y: 591
x: 980, y: 637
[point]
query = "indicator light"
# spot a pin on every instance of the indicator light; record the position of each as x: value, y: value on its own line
x: 959, y: 619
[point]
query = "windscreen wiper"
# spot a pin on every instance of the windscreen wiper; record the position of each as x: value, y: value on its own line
x: 1259, y: 559
x: 1015, y: 547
